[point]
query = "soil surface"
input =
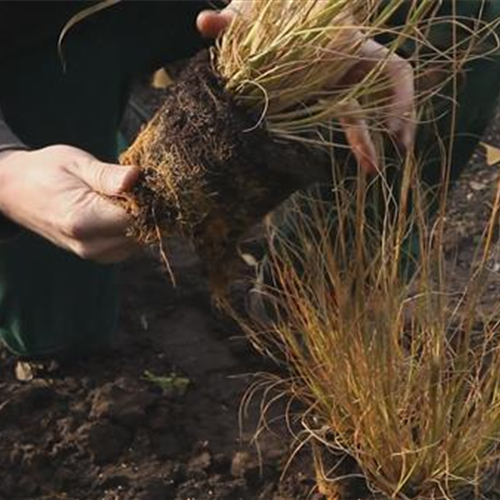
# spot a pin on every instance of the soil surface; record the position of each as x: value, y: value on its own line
x: 158, y: 417
x: 107, y: 429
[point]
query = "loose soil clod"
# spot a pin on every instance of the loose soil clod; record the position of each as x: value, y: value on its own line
x: 209, y: 170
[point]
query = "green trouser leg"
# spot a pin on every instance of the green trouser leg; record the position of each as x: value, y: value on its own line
x: 477, y: 98
x: 52, y: 302
x: 37, y: 318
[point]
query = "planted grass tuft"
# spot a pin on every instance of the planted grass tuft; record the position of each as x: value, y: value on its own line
x: 391, y: 368
x: 393, y: 373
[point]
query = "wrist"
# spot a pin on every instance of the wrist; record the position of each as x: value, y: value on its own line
x: 11, y: 161
x: 11, y: 153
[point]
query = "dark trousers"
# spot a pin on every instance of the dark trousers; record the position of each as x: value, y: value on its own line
x: 50, y: 300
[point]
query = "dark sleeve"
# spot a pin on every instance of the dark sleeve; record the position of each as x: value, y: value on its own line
x: 155, y: 33
x: 8, y: 141
x: 452, y: 19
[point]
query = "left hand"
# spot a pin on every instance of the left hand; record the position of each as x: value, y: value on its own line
x: 401, y: 121
x: 61, y: 193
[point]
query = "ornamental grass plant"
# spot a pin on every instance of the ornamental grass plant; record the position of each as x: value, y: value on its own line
x: 391, y: 367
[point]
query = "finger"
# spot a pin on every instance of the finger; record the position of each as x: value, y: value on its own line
x: 358, y: 136
x: 108, y: 218
x: 404, y: 122
x: 106, y: 178
x: 399, y: 72
x: 212, y: 24
x: 99, y: 217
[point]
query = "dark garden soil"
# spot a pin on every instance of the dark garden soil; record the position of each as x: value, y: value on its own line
x: 105, y: 429
x: 102, y: 430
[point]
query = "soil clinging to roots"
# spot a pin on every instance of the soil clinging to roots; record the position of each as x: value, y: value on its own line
x: 210, y: 171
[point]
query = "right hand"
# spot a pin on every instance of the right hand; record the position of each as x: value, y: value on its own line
x: 400, y: 100
x: 59, y: 193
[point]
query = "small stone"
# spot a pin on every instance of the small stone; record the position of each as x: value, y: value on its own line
x: 26, y: 371
x: 477, y: 186
x: 239, y: 464
x: 200, y: 463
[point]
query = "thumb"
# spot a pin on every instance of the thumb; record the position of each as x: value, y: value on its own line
x: 212, y: 24
x: 109, y: 179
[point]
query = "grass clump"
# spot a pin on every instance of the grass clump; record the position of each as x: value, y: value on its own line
x: 237, y: 131
x: 401, y: 376
x: 391, y: 367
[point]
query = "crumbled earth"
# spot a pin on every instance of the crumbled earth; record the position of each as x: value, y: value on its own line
x: 159, y: 416
x: 156, y: 418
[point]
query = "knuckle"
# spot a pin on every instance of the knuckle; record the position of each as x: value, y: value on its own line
x: 85, y: 251
x: 75, y: 227
x: 90, y: 171
x: 97, y: 173
x: 410, y: 70
x: 79, y: 249
x: 64, y: 149
x: 65, y: 155
x: 404, y: 66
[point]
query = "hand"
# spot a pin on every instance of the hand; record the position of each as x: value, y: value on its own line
x: 400, y: 110
x: 56, y: 193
